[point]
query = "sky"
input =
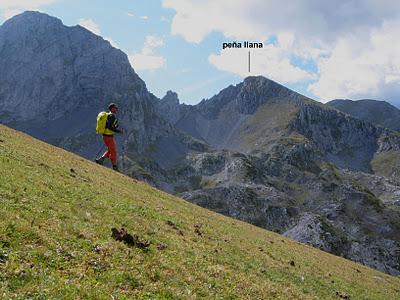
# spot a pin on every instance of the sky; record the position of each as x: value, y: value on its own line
x: 342, y: 49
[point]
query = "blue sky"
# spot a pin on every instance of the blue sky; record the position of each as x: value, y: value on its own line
x: 324, y: 51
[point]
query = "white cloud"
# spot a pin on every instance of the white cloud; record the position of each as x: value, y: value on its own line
x: 130, y: 14
x: 10, y: 8
x: 146, y: 59
x: 142, y: 61
x: 353, y: 50
x: 362, y: 68
x: 258, y: 19
x: 91, y: 25
x: 270, y: 61
x: 152, y: 42
x: 112, y: 42
x: 194, y: 20
x: 144, y: 17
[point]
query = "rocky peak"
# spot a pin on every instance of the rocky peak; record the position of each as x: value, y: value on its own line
x: 247, y: 96
x: 257, y: 90
x: 169, y: 107
x: 32, y: 18
x: 171, y: 98
x: 52, y: 69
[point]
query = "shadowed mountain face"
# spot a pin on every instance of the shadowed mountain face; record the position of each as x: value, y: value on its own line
x: 256, y: 151
x: 376, y: 112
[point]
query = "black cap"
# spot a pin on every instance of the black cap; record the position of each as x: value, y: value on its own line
x: 112, y: 105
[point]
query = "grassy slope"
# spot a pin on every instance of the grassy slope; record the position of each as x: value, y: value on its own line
x: 266, y: 126
x: 55, y: 241
x: 386, y: 163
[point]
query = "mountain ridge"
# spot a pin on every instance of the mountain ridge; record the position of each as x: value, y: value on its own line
x: 377, y: 112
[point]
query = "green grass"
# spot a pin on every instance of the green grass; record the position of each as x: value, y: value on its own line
x: 55, y: 241
x: 267, y: 124
x: 387, y: 164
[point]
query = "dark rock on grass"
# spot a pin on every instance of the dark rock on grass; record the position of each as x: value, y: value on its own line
x: 162, y: 246
x: 197, y: 229
x: 122, y: 235
x: 98, y: 249
x: 174, y: 226
x: 44, y: 165
x: 342, y: 295
x: 3, y: 256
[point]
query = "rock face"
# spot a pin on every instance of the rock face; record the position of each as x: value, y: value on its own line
x: 55, y: 79
x: 373, y: 111
x: 256, y: 151
x: 67, y: 69
x: 170, y: 107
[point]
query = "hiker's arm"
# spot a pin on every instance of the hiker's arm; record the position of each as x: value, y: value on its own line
x: 113, y: 124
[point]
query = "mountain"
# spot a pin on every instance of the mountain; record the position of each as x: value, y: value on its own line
x: 55, y: 232
x: 226, y: 120
x: 55, y: 79
x: 298, y: 167
x: 377, y: 112
x: 256, y: 151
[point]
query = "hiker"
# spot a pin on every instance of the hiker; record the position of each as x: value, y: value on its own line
x: 107, y: 124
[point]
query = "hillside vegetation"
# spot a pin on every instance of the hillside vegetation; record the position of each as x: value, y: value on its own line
x: 57, y: 211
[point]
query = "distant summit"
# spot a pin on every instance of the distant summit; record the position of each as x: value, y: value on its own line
x: 170, y: 108
x: 171, y: 98
x: 377, y: 112
x: 33, y: 18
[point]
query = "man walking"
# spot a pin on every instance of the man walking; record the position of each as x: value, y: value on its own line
x: 111, y: 127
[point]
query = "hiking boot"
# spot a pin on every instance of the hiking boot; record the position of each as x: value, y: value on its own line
x: 115, y: 168
x: 100, y: 160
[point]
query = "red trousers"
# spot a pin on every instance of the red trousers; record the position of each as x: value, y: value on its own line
x: 111, y: 148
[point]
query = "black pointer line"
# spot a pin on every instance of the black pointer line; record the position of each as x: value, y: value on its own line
x: 249, y: 61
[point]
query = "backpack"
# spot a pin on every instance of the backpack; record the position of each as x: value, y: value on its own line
x: 101, y: 122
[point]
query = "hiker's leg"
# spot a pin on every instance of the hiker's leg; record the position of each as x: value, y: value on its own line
x: 107, y: 140
x: 113, y: 151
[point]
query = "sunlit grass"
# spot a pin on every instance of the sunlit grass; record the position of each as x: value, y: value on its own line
x: 57, y: 211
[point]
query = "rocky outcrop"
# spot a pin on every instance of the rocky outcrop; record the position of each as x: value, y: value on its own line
x: 373, y: 111
x: 170, y: 108
x: 332, y: 209
x: 346, y: 141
